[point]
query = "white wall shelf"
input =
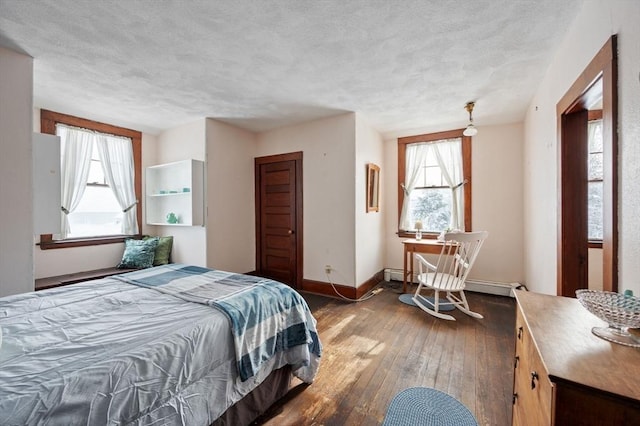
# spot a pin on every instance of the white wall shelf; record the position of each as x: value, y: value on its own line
x: 176, y: 188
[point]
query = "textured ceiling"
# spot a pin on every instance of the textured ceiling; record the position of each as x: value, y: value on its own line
x: 405, y: 65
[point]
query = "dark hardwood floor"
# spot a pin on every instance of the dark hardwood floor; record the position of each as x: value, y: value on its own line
x: 374, y: 349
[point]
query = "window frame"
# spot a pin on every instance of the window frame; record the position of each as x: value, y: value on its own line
x: 466, y: 171
x: 48, y: 121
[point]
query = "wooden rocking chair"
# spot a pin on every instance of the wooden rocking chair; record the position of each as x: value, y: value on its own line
x: 459, y: 252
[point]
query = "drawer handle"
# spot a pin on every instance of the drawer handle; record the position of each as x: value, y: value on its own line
x: 520, y: 333
x: 516, y: 361
x: 534, y: 377
x: 515, y: 397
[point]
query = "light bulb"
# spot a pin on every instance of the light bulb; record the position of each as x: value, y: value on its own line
x: 470, y: 130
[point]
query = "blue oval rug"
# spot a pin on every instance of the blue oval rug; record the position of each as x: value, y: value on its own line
x: 427, y: 407
x: 445, y: 305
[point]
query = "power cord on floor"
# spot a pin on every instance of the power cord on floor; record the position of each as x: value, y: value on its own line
x: 368, y: 295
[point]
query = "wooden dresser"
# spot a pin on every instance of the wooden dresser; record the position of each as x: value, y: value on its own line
x: 563, y: 374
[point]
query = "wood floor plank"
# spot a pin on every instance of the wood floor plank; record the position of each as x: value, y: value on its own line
x: 377, y: 372
x: 374, y: 349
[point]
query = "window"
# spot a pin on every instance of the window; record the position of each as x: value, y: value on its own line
x: 98, y: 213
x: 434, y: 174
x: 104, y: 157
x: 595, y: 177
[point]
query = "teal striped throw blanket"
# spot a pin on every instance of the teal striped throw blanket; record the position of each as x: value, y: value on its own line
x: 266, y: 316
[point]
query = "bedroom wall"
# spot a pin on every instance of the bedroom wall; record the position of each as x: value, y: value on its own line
x: 182, y: 143
x: 594, y: 24
x: 16, y: 207
x: 497, y: 203
x: 369, y: 232
x: 230, y: 193
x: 329, y: 192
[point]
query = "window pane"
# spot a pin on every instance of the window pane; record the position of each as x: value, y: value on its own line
x: 595, y: 210
x: 595, y: 166
x: 432, y: 206
x: 96, y: 174
x: 433, y: 176
x: 98, y: 214
x: 595, y: 136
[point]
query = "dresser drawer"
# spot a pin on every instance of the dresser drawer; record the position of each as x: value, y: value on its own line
x: 533, y: 391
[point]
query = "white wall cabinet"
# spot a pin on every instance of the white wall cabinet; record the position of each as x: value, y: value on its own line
x: 175, y: 188
x: 46, y: 184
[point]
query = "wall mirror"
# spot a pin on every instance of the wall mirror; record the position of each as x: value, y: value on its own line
x: 373, y: 188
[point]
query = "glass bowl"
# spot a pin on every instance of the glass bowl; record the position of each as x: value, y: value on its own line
x: 618, y: 310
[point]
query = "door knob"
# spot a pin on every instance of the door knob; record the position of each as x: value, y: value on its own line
x: 290, y: 231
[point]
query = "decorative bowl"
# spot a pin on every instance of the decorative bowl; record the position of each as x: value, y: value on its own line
x: 618, y: 310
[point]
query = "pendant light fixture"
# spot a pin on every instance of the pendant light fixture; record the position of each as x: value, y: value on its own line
x: 471, y: 129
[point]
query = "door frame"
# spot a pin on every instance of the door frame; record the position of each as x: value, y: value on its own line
x: 298, y: 226
x: 572, y: 271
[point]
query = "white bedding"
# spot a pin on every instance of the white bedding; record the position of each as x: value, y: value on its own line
x: 109, y: 353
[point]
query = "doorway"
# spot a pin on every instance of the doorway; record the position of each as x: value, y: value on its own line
x: 278, y: 200
x: 595, y: 88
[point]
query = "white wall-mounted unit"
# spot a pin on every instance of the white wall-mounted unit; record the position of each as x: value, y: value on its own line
x: 174, y: 194
x: 46, y: 184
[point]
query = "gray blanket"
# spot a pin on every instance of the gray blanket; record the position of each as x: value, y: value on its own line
x: 110, y: 353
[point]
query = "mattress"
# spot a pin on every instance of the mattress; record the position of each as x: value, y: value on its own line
x: 108, y: 352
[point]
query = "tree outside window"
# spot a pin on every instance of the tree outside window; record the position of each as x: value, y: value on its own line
x: 431, y: 206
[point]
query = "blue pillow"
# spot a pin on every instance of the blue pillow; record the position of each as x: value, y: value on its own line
x: 138, y: 253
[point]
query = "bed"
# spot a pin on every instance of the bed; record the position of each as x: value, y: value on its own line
x: 169, y: 345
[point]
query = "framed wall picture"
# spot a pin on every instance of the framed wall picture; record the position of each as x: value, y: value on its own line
x: 373, y: 188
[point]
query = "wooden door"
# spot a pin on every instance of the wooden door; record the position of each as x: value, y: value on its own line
x: 279, y: 218
x: 573, y: 265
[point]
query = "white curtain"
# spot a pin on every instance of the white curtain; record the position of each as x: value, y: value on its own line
x: 76, y: 148
x: 415, y: 155
x: 116, y: 154
x: 449, y: 156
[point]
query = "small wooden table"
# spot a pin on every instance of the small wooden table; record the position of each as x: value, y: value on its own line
x: 412, y: 246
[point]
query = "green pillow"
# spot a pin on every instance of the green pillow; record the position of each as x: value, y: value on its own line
x: 163, y: 251
x: 138, y: 253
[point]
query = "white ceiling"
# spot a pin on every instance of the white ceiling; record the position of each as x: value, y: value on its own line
x: 405, y: 65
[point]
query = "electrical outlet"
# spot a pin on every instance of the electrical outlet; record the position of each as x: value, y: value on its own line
x: 327, y: 269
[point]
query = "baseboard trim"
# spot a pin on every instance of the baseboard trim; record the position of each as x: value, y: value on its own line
x: 325, y: 289
x: 479, y: 286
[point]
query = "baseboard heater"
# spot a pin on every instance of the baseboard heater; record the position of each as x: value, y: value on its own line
x: 479, y: 286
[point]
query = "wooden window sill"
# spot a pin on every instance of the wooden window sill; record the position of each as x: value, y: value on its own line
x: 407, y: 234
x: 48, y: 243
